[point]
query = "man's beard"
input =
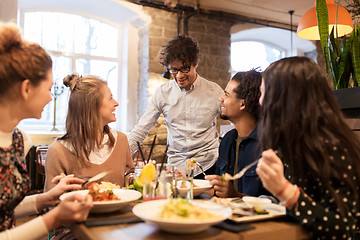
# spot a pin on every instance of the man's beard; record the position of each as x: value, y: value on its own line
x: 224, y: 117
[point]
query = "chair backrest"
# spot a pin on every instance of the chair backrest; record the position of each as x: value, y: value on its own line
x: 41, y: 152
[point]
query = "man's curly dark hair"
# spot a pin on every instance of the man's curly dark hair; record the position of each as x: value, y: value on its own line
x: 249, y: 90
x: 181, y: 48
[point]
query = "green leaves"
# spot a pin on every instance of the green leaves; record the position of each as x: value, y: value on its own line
x: 323, y: 24
x: 355, y: 55
x: 342, y: 55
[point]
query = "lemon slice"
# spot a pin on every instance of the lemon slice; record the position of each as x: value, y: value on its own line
x: 148, y: 173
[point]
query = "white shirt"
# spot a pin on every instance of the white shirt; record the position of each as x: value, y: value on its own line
x: 98, y: 156
x: 190, y: 118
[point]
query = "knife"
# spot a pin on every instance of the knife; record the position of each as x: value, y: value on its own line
x: 96, y: 177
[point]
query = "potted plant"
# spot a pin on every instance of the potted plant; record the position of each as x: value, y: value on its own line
x: 342, y: 58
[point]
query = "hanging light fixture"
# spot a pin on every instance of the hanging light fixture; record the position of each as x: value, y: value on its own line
x: 308, y: 28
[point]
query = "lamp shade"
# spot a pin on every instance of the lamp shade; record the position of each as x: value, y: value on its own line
x: 308, y: 27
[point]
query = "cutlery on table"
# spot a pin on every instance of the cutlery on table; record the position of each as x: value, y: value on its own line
x: 96, y: 177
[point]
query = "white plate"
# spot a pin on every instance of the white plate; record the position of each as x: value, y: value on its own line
x: 201, y: 186
x: 126, y: 197
x: 150, y: 212
x: 274, y: 210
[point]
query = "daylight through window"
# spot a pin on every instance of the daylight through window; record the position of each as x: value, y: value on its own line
x: 77, y: 44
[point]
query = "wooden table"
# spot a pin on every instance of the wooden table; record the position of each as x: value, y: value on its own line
x: 270, y: 229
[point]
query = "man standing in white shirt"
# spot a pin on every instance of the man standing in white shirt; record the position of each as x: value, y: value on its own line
x: 189, y: 104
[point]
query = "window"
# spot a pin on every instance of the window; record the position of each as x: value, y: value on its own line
x: 77, y: 44
x: 246, y: 55
x: 260, y: 46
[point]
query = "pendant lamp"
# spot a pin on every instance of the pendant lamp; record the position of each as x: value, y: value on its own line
x: 308, y: 28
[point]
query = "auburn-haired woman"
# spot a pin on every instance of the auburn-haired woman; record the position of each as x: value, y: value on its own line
x: 26, y: 80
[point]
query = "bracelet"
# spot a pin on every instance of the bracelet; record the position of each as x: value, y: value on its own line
x: 284, y: 203
x: 283, y: 188
x: 293, y: 200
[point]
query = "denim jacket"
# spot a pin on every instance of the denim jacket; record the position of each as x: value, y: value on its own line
x: 250, y: 183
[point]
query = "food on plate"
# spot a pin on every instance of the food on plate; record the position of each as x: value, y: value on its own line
x: 108, y: 185
x: 184, y: 184
x: 241, y: 207
x: 101, y: 194
x: 183, y: 209
x: 259, y: 204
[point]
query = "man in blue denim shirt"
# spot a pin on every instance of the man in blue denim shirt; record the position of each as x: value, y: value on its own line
x: 239, y: 147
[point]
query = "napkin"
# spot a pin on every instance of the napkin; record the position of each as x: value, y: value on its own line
x: 111, y: 221
x: 233, y: 226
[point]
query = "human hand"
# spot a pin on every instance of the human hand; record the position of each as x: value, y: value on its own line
x: 271, y: 172
x: 221, y: 188
x: 74, y: 208
x: 57, y: 178
x: 64, y: 184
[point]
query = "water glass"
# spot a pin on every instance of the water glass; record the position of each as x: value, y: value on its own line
x: 184, y: 186
x: 158, y: 188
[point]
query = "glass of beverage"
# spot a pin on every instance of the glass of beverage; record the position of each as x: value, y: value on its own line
x: 132, y: 179
x: 158, y: 188
x: 184, y: 185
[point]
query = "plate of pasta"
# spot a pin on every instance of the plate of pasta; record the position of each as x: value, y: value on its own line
x: 182, y: 216
x: 107, y: 200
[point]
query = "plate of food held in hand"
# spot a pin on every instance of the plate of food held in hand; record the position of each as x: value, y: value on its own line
x: 180, y: 215
x: 249, y: 209
x: 107, y: 200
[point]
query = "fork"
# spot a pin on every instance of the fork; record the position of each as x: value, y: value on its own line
x: 202, y: 170
x: 241, y: 173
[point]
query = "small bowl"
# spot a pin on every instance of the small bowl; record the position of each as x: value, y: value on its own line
x: 258, y: 203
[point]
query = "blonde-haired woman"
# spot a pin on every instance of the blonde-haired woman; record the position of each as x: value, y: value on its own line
x: 89, y: 145
x: 26, y: 80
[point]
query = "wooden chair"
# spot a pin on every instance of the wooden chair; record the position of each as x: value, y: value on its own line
x: 41, y: 152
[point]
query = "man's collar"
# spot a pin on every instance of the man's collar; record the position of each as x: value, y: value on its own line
x: 252, y: 135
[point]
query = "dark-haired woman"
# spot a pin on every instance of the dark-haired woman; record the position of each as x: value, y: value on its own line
x: 317, y: 150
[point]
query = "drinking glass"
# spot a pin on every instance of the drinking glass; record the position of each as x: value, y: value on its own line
x: 131, y: 179
x: 158, y: 188
x: 184, y: 185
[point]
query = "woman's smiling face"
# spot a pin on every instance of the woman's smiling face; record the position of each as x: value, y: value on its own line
x: 108, y: 106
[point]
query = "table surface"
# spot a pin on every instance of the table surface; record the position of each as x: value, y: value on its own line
x: 268, y: 229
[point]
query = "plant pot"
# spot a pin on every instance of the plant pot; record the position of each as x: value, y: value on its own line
x: 349, y: 101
